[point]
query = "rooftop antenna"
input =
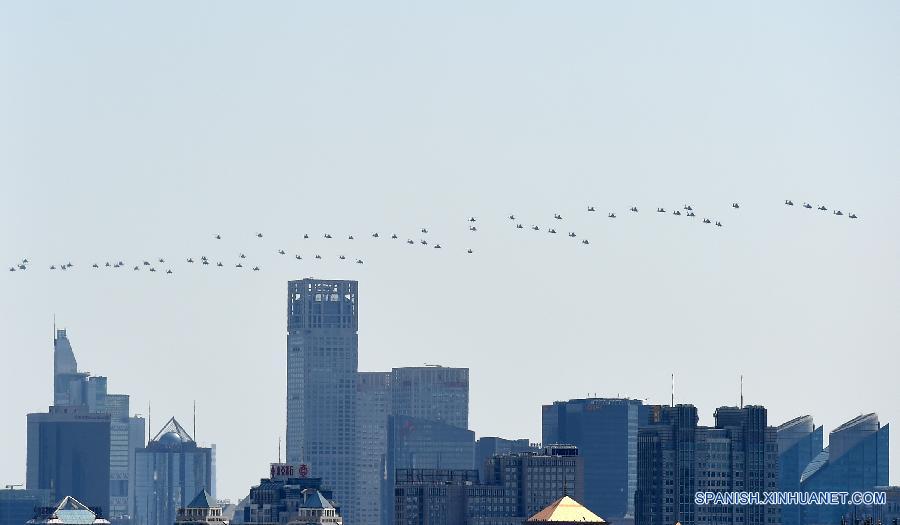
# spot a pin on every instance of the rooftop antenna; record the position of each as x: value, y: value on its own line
x: 279, y: 449
x: 149, y: 426
x: 195, y: 421
x: 673, y: 389
x: 742, y: 390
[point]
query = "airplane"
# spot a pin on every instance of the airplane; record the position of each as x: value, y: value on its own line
x: 136, y: 268
x: 95, y: 265
x: 519, y: 226
x: 735, y: 205
x: 591, y: 208
x: 69, y: 264
x: 471, y: 219
x: 152, y: 269
x: 375, y: 235
x: 584, y: 241
x: 807, y: 205
x: 116, y: 265
x: 535, y: 228
x: 120, y: 263
x: 789, y: 202
x: 190, y: 260
x: 202, y: 257
x: 259, y: 235
x: 218, y: 236
x: 634, y: 209
x: 512, y: 217
x: 12, y: 269
x: 297, y: 257
x: 243, y: 256
x: 341, y: 257
x: 306, y: 236
x: 551, y: 230
x: 327, y: 235
x: 557, y: 216
x: 473, y: 229
x: 706, y: 221
x: 822, y: 208
x: 688, y: 207
x: 146, y: 263
x: 24, y: 261
x: 718, y: 223
x: 660, y: 210
x: 52, y: 267
x: 256, y: 268
x: 852, y: 215
x: 350, y: 237
x: 318, y: 256
x: 469, y: 250
x: 394, y: 236
x: 423, y: 241
x: 62, y: 267
x: 838, y: 212
x: 205, y: 262
x: 424, y: 230
x: 22, y: 266
x: 612, y: 215
x: 359, y: 261
x: 676, y: 212
x: 437, y: 245
x: 571, y: 234
x: 280, y: 252
x: 410, y: 241
x: 162, y: 260
x: 691, y: 214
x: 238, y: 265
x: 169, y: 271
x: 219, y: 264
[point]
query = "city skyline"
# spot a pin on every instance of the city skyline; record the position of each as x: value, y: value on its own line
x: 130, y: 133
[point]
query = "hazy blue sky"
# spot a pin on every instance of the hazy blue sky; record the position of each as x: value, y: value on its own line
x: 137, y: 130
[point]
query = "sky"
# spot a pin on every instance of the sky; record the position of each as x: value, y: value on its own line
x: 134, y: 131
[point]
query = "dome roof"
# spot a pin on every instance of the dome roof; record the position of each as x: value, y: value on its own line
x: 171, y: 439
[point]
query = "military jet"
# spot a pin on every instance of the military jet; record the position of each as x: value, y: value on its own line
x: 95, y: 265
x: 22, y: 266
x: 162, y: 260
x: 512, y: 217
x: 190, y: 260
x: 280, y: 252
x: 789, y: 202
x: 136, y: 268
x: 219, y: 264
x: 706, y: 221
x: 424, y: 230
x: 535, y: 227
x: 718, y: 223
x: 557, y: 216
x: 591, y: 208
x: 256, y: 268
x: 394, y: 236
x: 243, y: 256
x: 318, y: 256
x: 410, y: 241
x: 469, y: 250
x: 634, y: 209
x: 24, y: 261
x: 205, y: 263
x: 471, y: 219
x: 676, y: 212
x: 359, y: 261
x: 218, y: 236
x: 52, y: 267
x: 572, y: 234
x: 12, y: 268
x: 585, y: 241
x: 306, y: 236
x: 612, y: 215
x: 341, y: 257
x: 473, y: 229
x: 152, y: 269
x: 691, y: 214
x: 298, y: 257
x: 838, y: 212
x: 259, y: 235
x: 687, y: 207
x: 822, y: 208
x: 519, y: 226
x: 350, y: 237
x: 327, y: 235
x: 169, y: 271
x: 551, y: 230
x: 375, y: 235
x: 437, y: 245
x: 69, y: 264
x: 735, y: 205
x: 423, y: 241
x: 852, y: 215
x: 807, y: 205
x: 202, y: 257
x: 238, y: 265
x: 146, y: 263
x: 660, y: 210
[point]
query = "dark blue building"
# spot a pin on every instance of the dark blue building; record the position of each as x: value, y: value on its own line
x: 18, y: 506
x: 856, y: 459
x: 68, y: 453
x: 488, y: 447
x: 605, y: 432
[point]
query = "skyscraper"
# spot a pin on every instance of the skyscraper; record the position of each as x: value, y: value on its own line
x: 605, y: 432
x: 436, y: 393
x: 17, y: 506
x: 68, y: 453
x: 169, y: 472
x: 799, y: 442
x: 74, y: 388
x: 677, y: 458
x: 322, y: 357
x: 373, y: 406
x: 856, y: 459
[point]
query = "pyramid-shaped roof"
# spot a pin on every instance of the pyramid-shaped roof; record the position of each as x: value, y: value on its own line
x: 315, y: 500
x: 171, y: 431
x: 202, y: 501
x: 565, y: 510
x: 72, y: 511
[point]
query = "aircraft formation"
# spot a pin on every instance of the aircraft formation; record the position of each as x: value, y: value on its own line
x: 166, y: 268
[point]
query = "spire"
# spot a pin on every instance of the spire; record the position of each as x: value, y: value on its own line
x: 742, y: 390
